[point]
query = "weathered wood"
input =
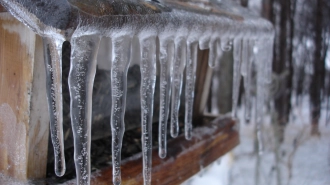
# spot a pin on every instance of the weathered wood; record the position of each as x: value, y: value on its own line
x: 184, y: 158
x: 2, y: 9
x: 23, y: 126
x: 203, y: 82
x: 39, y: 119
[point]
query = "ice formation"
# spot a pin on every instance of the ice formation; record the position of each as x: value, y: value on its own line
x: 238, y: 57
x: 177, y: 78
x: 53, y: 65
x: 148, y: 80
x: 121, y: 52
x: 166, y: 57
x: 263, y: 58
x: 190, y: 87
x: 81, y: 79
x: 180, y: 28
x: 247, y: 74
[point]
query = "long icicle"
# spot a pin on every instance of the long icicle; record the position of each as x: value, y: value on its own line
x: 166, y: 59
x: 178, y: 67
x: 190, y: 87
x: 212, y: 52
x: 248, y: 62
x: 148, y: 79
x: 327, y: 115
x: 260, y: 64
x: 53, y: 65
x: 81, y: 79
x: 269, y: 59
x: 236, y: 73
x: 121, y: 51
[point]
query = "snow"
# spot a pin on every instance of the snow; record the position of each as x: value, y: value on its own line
x: 5, y: 179
x: 308, y: 154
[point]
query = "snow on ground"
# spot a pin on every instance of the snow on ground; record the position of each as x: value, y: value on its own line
x: 301, y: 159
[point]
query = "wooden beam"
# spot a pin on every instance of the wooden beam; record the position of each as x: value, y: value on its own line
x: 2, y: 9
x: 184, y: 158
x: 23, y: 123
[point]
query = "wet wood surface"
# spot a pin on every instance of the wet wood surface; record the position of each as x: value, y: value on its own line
x: 184, y: 159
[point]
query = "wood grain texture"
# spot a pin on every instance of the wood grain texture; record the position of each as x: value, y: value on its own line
x: 39, y: 118
x: 16, y: 70
x: 184, y: 158
x: 19, y: 134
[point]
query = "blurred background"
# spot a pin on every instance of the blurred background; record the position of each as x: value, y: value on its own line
x: 295, y: 126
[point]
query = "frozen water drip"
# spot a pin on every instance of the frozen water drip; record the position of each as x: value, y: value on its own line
x: 178, y: 68
x: 53, y: 65
x: 148, y: 80
x: 190, y: 87
x: 166, y: 59
x: 121, y: 52
x: 81, y: 79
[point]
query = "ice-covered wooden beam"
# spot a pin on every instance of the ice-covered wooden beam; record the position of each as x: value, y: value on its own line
x: 205, y: 18
x: 23, y: 130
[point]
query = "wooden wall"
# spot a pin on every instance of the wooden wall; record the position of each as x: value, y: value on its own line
x: 23, y: 121
x: 2, y: 9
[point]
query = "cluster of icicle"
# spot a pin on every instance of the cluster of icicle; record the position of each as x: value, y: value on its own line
x: 179, y: 34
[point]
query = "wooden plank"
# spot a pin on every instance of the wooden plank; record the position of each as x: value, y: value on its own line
x: 184, y: 158
x: 2, y: 9
x: 39, y: 118
x: 19, y: 134
x: 203, y: 82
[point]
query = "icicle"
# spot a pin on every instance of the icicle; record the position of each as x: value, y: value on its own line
x: 148, y: 79
x: 261, y: 52
x: 178, y: 67
x: 212, y: 53
x: 166, y: 59
x: 81, y: 79
x: 190, y: 87
x: 226, y: 44
x: 204, y: 43
x: 247, y: 74
x: 121, y: 50
x: 327, y: 118
x: 236, y: 73
x: 219, y: 51
x: 53, y: 64
x: 245, y: 57
x: 267, y: 57
x: 269, y: 44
